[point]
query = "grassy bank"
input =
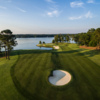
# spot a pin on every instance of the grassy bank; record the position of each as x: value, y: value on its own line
x: 26, y: 74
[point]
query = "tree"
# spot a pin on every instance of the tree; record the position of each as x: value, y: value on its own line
x: 40, y: 42
x: 0, y: 44
x: 97, y: 36
x: 76, y: 38
x: 91, y: 38
x: 56, y: 38
x: 6, y: 32
x: 43, y: 42
x: 53, y: 41
x: 90, y: 31
x: 8, y: 41
x: 67, y: 38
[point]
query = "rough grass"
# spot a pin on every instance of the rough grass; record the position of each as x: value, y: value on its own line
x: 8, y: 90
x: 30, y: 74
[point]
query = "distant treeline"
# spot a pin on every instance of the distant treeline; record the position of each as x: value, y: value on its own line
x: 36, y: 35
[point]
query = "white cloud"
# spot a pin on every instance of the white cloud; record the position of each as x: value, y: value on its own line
x: 50, y: 1
x: 2, y: 7
x: 74, y: 18
x: 76, y: 4
x: 53, y: 13
x: 21, y: 10
x: 86, y: 16
x: 90, y: 1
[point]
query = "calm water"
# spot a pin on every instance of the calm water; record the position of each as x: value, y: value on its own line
x: 30, y: 43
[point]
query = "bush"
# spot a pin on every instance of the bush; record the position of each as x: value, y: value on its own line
x: 53, y: 41
x: 43, y: 42
x: 93, y: 43
x: 40, y: 42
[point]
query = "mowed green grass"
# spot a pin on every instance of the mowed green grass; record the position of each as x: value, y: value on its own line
x: 30, y: 75
x: 93, y: 55
x: 8, y: 90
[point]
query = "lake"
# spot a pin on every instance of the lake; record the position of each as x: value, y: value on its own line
x: 30, y: 43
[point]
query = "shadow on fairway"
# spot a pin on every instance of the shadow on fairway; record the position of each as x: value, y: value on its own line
x: 76, y: 52
x: 88, y: 53
x: 21, y: 52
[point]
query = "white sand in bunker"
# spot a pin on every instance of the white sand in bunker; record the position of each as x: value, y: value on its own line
x: 56, y: 47
x: 60, y: 78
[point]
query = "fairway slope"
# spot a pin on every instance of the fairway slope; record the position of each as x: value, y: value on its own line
x: 31, y: 74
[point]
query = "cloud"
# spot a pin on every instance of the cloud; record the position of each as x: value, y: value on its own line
x: 21, y: 10
x: 53, y: 9
x: 53, y: 13
x: 76, y: 4
x: 50, y: 1
x: 86, y: 16
x: 2, y: 7
x: 90, y: 1
x: 74, y: 18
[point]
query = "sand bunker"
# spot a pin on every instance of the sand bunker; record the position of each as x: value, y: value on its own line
x: 56, y: 47
x: 60, y: 77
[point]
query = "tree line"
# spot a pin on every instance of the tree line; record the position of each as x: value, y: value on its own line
x: 7, y: 41
x: 36, y: 35
x: 91, y: 38
x: 61, y: 38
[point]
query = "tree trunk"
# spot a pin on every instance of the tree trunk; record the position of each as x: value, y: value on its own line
x: 0, y: 47
x: 5, y: 52
x: 8, y: 55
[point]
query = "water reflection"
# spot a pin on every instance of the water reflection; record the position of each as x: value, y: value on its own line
x: 30, y: 43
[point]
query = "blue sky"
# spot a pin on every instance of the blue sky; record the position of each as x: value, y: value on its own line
x: 49, y: 16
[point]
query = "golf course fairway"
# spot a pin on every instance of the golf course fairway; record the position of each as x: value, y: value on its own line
x: 30, y: 70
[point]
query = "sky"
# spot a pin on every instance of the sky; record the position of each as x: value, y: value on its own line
x: 49, y: 16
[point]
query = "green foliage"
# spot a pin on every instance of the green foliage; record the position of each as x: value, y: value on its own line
x: 61, y: 38
x: 91, y: 38
x: 90, y: 31
x: 92, y: 43
x: 53, y: 41
x: 97, y: 36
x: 7, y: 32
x: 56, y: 38
x: 76, y: 38
x: 43, y: 42
x: 7, y: 40
x: 67, y: 38
x: 40, y: 42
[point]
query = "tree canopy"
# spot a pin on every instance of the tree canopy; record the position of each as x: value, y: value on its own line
x: 7, y: 41
x: 91, y: 38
